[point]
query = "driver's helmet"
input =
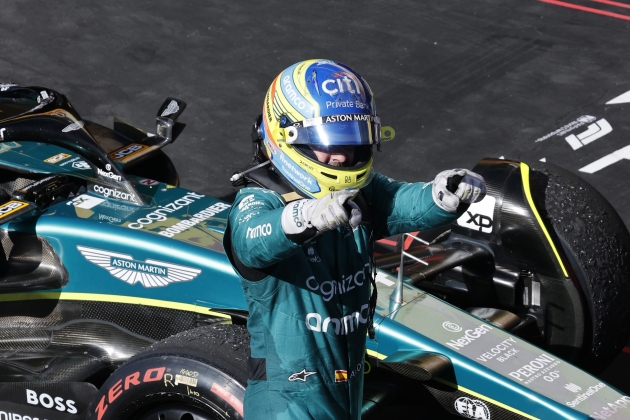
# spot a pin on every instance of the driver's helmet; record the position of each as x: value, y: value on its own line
x: 320, y: 105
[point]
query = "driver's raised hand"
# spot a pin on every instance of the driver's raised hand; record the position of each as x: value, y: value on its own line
x: 455, y: 186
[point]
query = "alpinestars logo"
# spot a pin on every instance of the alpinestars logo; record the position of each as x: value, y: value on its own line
x: 149, y: 273
x: 170, y: 109
x: 301, y: 376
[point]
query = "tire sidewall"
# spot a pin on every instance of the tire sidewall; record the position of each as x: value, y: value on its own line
x: 142, y: 384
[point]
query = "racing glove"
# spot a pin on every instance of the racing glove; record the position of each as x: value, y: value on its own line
x: 304, y: 219
x: 457, y: 186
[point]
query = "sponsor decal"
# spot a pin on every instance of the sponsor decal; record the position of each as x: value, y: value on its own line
x: 85, y: 201
x: 291, y: 93
x: 108, y: 174
x: 573, y: 387
x: 249, y: 202
x: 119, y: 207
x: 469, y: 336
x: 346, y: 104
x: 594, y: 131
x: 127, y: 152
x: 502, y: 351
x: 172, y: 108
x: 81, y: 164
x: 122, y: 385
x: 228, y: 397
x: 343, y: 326
x: 109, y: 218
x: 112, y: 192
x: 76, y: 163
x: 611, y: 408
x: 160, y: 214
x: 341, y: 376
x: 57, y: 158
x: 585, y: 395
x: 247, y: 217
x: 48, y: 401
x: 330, y: 288
x: 479, y: 216
x: 2, y: 130
x: 297, y: 213
x: 296, y: 174
x: 5, y: 86
x: 74, y: 126
x: 311, y: 255
x: 260, y: 230
x: 301, y: 376
x: 149, y: 273
x: 472, y: 409
x: 149, y: 182
x: 341, y: 85
x: 37, y: 183
x: 534, y: 369
x: 197, y: 218
x: 585, y: 119
x: 451, y: 326
x: 185, y: 380
x: 310, y: 122
x: 11, y: 207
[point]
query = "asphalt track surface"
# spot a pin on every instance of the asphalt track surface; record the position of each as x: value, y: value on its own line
x: 459, y: 80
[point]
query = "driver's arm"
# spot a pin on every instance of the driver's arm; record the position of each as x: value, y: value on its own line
x: 257, y: 238
x: 404, y: 207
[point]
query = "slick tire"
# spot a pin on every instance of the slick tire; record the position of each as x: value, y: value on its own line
x: 596, y: 245
x: 199, y: 374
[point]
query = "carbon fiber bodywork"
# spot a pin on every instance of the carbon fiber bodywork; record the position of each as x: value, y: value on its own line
x: 57, y: 340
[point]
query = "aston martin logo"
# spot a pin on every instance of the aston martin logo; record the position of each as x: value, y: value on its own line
x: 149, y: 273
x: 170, y: 109
x: 74, y: 126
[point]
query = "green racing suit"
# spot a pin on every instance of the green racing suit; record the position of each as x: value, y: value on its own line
x: 309, y: 302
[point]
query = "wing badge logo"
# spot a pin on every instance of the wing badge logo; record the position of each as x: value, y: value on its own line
x: 170, y: 109
x: 74, y: 126
x: 149, y: 273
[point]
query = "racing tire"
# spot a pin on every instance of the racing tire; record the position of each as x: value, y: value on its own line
x: 596, y: 245
x: 200, y: 374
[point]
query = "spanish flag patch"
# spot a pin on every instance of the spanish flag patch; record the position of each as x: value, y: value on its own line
x: 341, y: 376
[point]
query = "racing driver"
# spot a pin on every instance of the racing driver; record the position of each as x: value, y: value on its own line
x: 305, y: 257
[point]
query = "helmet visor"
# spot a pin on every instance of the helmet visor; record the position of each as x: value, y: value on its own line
x: 336, y: 130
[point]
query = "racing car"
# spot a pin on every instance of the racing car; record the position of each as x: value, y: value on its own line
x: 118, y: 301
